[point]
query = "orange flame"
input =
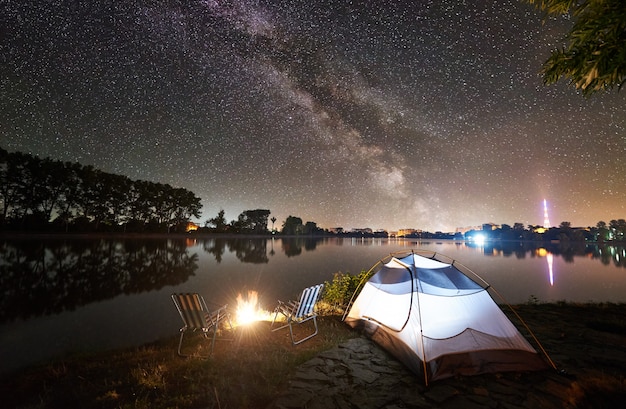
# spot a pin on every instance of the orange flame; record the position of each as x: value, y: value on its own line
x: 249, y: 310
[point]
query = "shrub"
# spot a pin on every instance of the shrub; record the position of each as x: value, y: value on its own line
x: 337, y: 294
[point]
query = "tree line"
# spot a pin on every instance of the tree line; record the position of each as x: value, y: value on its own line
x: 615, y: 230
x: 49, y: 195
x: 248, y: 222
x: 256, y: 222
x: 64, y: 196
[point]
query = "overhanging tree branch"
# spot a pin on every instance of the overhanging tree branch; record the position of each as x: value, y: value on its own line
x: 594, y: 58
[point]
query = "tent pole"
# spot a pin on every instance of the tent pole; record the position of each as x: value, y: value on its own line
x: 424, y: 360
x: 366, y: 277
x: 532, y: 334
x: 415, y: 279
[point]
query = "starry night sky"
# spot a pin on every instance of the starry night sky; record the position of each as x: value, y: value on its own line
x: 381, y: 114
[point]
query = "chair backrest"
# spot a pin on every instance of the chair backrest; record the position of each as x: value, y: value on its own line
x: 307, y: 300
x: 192, y: 309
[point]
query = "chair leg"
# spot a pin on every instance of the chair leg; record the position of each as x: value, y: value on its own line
x: 282, y: 326
x: 180, y: 343
x: 230, y: 323
x: 293, y: 342
x: 308, y: 337
x: 213, y: 339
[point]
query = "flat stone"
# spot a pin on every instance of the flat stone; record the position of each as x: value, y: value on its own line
x: 359, y: 374
x: 312, y: 375
x: 364, y: 374
x: 464, y: 403
x: 440, y: 393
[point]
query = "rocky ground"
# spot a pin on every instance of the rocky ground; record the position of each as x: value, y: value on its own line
x: 338, y: 368
x: 587, y: 344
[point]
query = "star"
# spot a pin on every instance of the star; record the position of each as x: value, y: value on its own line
x: 424, y: 115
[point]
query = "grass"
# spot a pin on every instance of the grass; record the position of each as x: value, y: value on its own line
x: 247, y: 372
x: 586, y: 340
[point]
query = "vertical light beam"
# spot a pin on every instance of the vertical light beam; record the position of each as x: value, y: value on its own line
x: 546, y: 220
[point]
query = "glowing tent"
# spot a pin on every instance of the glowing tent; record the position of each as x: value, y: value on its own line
x: 438, y: 321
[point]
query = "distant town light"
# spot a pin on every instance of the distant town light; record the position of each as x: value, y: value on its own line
x: 479, y: 239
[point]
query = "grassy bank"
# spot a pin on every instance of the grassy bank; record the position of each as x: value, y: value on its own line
x: 588, y: 341
x: 245, y: 372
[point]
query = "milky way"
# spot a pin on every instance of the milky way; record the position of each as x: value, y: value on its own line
x: 403, y: 114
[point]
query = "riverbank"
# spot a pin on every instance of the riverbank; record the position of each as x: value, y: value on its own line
x: 586, y: 342
x: 337, y: 368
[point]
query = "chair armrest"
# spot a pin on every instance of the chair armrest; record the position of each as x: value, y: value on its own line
x: 212, y: 316
x: 287, y: 308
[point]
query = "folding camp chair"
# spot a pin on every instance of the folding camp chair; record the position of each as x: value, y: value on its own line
x: 297, y: 312
x: 196, y: 316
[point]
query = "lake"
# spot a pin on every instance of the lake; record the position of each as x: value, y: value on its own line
x: 62, y: 296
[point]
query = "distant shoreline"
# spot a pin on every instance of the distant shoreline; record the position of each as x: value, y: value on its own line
x: 203, y: 235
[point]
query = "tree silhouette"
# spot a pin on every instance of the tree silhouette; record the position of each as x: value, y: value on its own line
x: 292, y: 226
x: 219, y: 222
x: 595, y: 56
x: 33, y: 191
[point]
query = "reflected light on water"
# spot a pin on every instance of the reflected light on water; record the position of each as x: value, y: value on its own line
x: 542, y: 252
x: 550, y: 259
x: 92, y: 293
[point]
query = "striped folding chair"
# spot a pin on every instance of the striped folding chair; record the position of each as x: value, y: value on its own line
x: 197, y: 317
x: 298, y: 312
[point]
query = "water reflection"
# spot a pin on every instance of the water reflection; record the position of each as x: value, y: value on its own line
x: 293, y: 246
x: 606, y: 254
x: 550, y: 259
x: 40, y: 277
x: 45, y: 277
x: 246, y: 250
x: 109, y: 293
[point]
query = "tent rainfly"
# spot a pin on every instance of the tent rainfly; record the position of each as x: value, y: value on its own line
x: 438, y: 321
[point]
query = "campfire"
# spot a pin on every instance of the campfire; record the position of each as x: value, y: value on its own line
x: 249, y: 310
